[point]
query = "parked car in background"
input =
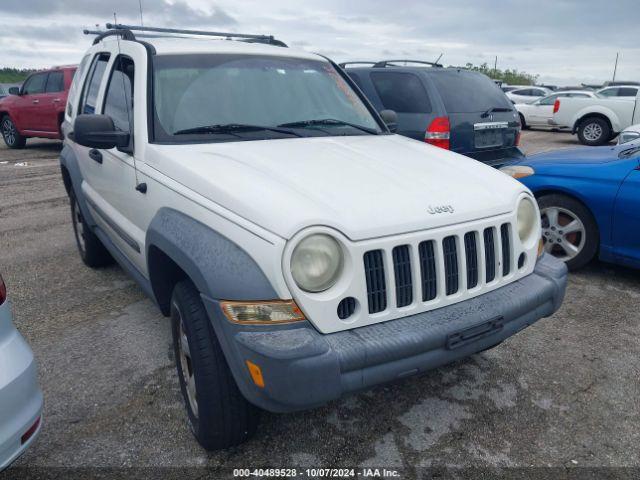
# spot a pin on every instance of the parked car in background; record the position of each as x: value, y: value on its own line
x: 527, y: 94
x: 589, y: 202
x: 540, y: 112
x: 596, y: 120
x: 629, y: 134
x: 451, y: 108
x: 20, y: 395
x: 37, y: 108
x: 301, y: 250
x: 619, y: 91
x: 508, y: 88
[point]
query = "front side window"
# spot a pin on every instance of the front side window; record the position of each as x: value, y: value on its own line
x: 55, y: 82
x: 92, y: 85
x: 35, y: 84
x: 209, y: 98
x: 401, y: 92
x: 118, y: 102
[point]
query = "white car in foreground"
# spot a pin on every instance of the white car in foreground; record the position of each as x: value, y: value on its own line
x: 20, y: 395
x: 540, y: 112
x: 527, y: 94
x: 301, y: 249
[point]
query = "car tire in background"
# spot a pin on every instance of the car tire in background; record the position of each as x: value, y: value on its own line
x: 10, y: 133
x: 594, y: 131
x: 91, y: 249
x: 523, y: 123
x: 219, y: 415
x: 569, y: 230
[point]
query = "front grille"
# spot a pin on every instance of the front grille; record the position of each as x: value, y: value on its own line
x: 441, y: 267
x: 505, y: 238
x: 471, y: 255
x: 376, y: 284
x: 489, y: 255
x: 450, y: 264
x: 402, y: 270
x: 428, y: 271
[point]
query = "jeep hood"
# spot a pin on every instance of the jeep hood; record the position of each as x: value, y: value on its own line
x: 364, y: 186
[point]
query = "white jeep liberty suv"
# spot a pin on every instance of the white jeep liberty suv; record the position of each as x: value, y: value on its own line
x: 301, y: 249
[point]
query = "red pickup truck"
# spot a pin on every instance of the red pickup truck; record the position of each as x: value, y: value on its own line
x: 37, y: 108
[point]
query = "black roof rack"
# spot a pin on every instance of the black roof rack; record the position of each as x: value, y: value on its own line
x: 388, y: 63
x: 246, y: 37
x: 125, y: 33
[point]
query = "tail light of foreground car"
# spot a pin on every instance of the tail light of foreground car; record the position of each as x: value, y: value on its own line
x: 556, y: 106
x: 3, y: 291
x: 438, y: 133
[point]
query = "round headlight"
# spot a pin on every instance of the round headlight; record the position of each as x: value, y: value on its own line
x: 527, y: 220
x: 316, y: 263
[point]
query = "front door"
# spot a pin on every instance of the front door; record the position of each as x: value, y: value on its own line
x: 29, y: 115
x: 626, y: 220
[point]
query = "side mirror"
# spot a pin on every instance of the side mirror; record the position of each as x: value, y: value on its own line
x: 14, y: 90
x: 98, y: 131
x: 390, y: 118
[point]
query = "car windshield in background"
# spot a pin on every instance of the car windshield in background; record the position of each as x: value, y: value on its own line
x: 465, y: 92
x: 209, y: 98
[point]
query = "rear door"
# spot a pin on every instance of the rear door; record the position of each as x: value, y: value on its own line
x: 406, y: 94
x: 51, y: 100
x: 626, y: 220
x: 484, y: 123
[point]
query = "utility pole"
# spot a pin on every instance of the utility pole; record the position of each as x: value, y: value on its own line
x: 615, y: 68
x: 495, y: 66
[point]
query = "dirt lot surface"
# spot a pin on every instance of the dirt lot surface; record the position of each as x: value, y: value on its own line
x: 564, y: 392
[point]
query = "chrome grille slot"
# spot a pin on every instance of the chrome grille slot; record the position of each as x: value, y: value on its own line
x: 402, y: 271
x: 428, y: 271
x: 376, y: 284
x: 450, y: 254
x: 471, y: 252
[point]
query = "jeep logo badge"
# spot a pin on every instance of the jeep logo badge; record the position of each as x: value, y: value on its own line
x: 440, y: 209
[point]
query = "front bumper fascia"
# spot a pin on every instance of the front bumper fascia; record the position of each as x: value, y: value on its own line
x: 303, y: 368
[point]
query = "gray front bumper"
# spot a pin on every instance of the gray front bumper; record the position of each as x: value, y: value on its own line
x: 303, y: 368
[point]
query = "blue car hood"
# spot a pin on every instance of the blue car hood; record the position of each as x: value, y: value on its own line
x: 583, y: 155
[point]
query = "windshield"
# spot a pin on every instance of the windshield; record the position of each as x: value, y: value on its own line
x: 210, y: 98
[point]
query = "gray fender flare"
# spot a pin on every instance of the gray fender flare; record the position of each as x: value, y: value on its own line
x: 218, y: 267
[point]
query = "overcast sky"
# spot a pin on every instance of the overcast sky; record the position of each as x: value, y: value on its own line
x: 565, y: 41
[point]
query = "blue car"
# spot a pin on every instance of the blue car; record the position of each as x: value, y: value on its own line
x: 589, y: 202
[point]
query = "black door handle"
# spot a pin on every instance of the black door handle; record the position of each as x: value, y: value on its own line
x: 95, y: 155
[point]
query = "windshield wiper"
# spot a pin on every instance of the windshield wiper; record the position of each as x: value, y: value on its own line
x: 233, y: 127
x: 328, y: 121
x: 494, y: 109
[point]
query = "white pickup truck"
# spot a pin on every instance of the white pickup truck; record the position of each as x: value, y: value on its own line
x: 596, y: 120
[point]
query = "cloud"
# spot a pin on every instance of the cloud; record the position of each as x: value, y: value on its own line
x: 565, y: 41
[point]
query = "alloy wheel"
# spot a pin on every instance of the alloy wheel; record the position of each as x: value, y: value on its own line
x: 78, y: 227
x: 592, y: 132
x: 9, y: 131
x: 563, y: 233
x: 186, y: 364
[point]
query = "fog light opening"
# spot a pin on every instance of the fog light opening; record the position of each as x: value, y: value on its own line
x: 521, y: 260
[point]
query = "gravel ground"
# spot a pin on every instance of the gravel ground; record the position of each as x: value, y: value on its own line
x: 564, y: 392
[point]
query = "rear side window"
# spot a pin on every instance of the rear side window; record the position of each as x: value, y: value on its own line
x: 35, y: 84
x: 55, y: 83
x: 118, y: 103
x: 466, y: 92
x: 627, y: 92
x: 92, y: 85
x: 401, y: 92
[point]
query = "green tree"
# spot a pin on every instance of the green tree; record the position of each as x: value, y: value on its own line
x: 510, y: 76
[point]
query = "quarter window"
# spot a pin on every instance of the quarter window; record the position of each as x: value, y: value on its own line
x: 92, y: 86
x: 627, y: 92
x: 35, y: 84
x: 118, y: 102
x: 401, y: 92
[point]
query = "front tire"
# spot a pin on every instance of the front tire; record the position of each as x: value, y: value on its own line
x: 12, y: 138
x: 569, y: 231
x: 594, y: 131
x: 91, y: 250
x: 219, y: 416
x: 523, y: 123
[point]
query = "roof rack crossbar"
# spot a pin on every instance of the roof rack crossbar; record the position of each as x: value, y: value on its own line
x: 384, y: 63
x: 139, y: 28
x: 124, y: 32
